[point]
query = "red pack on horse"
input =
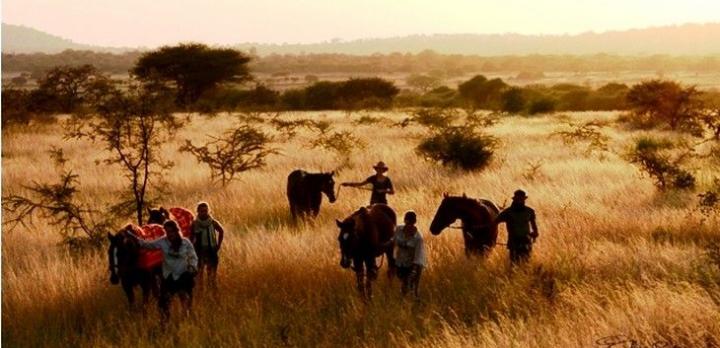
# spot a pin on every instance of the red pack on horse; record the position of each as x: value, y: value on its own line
x: 182, y: 216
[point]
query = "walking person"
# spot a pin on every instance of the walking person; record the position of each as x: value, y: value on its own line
x: 178, y: 269
x: 380, y: 183
x: 207, y: 235
x: 410, y: 257
x: 522, y: 228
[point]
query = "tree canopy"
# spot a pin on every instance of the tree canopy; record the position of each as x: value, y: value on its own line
x: 193, y: 68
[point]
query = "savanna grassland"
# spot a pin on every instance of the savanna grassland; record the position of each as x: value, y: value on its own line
x: 614, y: 257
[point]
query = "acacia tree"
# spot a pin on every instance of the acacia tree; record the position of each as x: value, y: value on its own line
x: 193, y: 68
x: 132, y: 126
x: 667, y: 103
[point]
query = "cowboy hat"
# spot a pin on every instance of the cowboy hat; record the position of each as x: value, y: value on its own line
x: 519, y: 194
x: 380, y: 166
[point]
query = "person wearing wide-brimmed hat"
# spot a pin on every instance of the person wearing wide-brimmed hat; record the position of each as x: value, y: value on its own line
x: 381, y: 184
x: 521, y: 226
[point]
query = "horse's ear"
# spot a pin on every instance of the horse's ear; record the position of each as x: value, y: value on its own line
x: 464, y: 195
x: 338, y: 223
x: 332, y: 173
x: 445, y: 195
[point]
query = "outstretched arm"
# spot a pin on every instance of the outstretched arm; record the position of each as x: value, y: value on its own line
x: 153, y: 244
x: 355, y: 184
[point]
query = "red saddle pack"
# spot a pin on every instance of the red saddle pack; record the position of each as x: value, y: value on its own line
x: 149, y: 258
x: 184, y: 219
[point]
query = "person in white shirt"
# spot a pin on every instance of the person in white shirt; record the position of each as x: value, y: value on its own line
x: 179, y: 267
x: 410, y: 257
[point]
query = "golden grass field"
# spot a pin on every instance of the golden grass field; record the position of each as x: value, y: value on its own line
x: 614, y: 257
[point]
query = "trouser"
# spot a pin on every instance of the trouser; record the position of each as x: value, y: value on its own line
x: 209, y: 259
x: 520, y: 253
x: 183, y: 287
x: 410, y: 278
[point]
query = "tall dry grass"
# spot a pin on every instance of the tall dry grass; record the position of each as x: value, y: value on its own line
x: 614, y: 257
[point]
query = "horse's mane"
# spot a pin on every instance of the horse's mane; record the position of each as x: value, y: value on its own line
x: 478, y: 202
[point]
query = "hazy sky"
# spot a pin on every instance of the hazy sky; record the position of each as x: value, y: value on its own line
x: 155, y: 22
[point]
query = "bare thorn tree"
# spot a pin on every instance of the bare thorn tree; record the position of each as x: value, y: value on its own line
x: 237, y: 151
x: 56, y: 202
x: 132, y: 126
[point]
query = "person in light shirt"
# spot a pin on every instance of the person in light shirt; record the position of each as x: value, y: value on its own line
x: 410, y: 256
x: 180, y: 264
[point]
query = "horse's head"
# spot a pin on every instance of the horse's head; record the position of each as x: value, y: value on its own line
x: 446, y: 214
x: 349, y: 237
x: 122, y: 253
x: 327, y: 185
x: 157, y: 215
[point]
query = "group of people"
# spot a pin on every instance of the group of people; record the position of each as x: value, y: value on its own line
x: 184, y: 259
x: 410, y: 254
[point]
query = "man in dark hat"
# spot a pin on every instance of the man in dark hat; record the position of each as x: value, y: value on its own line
x: 381, y: 184
x: 522, y: 229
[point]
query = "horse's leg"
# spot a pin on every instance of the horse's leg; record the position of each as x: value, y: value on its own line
x: 392, y: 268
x: 293, y: 211
x: 372, y: 272
x: 127, y: 286
x: 359, y: 276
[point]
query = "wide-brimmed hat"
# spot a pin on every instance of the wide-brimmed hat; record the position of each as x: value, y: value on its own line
x: 380, y: 166
x: 519, y: 194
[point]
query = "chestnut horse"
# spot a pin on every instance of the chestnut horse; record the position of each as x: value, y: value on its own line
x: 123, y: 256
x: 477, y: 217
x: 365, y: 235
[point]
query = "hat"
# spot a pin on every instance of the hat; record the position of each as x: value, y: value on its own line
x: 380, y: 166
x: 519, y: 194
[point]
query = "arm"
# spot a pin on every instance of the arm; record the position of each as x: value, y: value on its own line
x: 419, y: 259
x: 533, y: 226
x: 192, y: 259
x: 391, y: 189
x: 192, y: 232
x: 500, y: 218
x: 153, y: 244
x: 221, y: 233
x: 356, y: 184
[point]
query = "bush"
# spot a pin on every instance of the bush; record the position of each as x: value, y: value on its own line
x: 513, y: 100
x: 665, y: 103
x: 483, y: 93
x: 461, y: 147
x: 542, y: 105
x: 655, y: 158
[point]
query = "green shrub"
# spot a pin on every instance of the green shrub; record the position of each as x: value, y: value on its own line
x: 461, y: 147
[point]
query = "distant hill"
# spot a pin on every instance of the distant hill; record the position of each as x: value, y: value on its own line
x: 22, y: 39
x: 687, y: 39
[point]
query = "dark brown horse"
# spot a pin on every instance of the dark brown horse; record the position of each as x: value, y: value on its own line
x: 304, y: 192
x: 477, y: 217
x: 365, y: 235
x: 123, y: 257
